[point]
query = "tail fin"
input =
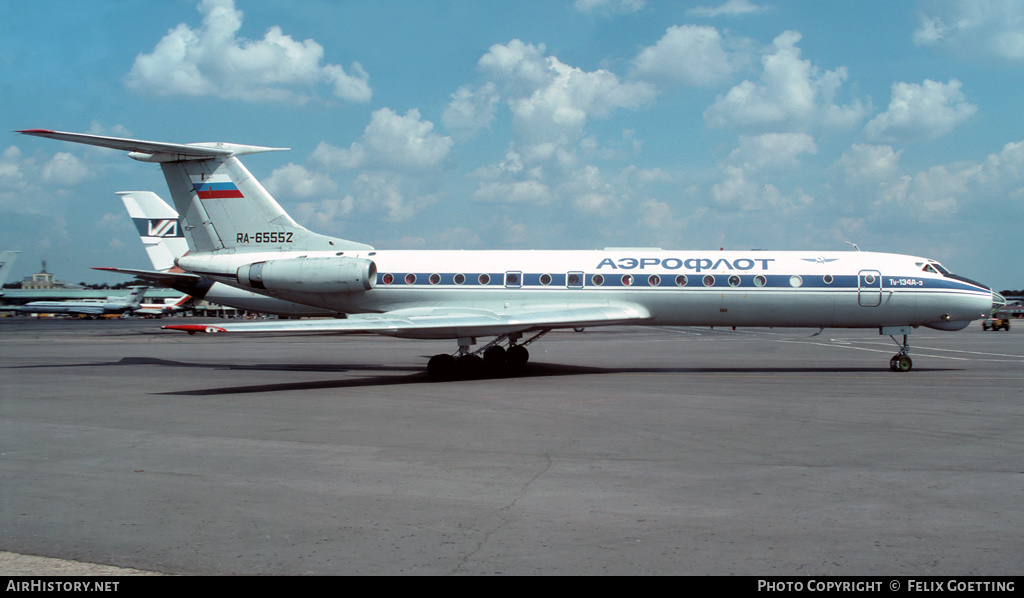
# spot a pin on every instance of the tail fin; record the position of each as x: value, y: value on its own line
x: 162, y: 234
x: 224, y: 207
x: 133, y: 299
x: 6, y: 264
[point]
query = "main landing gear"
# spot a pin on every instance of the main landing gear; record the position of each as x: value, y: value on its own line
x: 900, y: 362
x: 491, y: 360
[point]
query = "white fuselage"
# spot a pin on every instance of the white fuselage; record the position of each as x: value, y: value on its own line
x: 679, y: 288
x: 85, y: 307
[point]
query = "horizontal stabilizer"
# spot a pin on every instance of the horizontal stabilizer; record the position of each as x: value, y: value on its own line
x: 156, y: 151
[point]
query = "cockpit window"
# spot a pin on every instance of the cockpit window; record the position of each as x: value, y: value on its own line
x: 936, y: 268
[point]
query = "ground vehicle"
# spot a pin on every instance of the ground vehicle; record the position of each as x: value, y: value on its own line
x: 996, y: 321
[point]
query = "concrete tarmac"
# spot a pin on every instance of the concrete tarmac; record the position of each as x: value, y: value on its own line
x: 622, y: 451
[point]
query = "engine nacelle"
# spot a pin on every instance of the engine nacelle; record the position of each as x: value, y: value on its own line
x: 311, y: 275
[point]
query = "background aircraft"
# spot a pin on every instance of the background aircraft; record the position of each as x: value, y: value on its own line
x: 6, y: 265
x: 242, y: 237
x: 115, y: 304
x: 162, y: 309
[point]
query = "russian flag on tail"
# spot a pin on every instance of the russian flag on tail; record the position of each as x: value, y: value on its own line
x: 215, y: 187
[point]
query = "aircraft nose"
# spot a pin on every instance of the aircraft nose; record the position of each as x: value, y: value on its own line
x: 998, y: 302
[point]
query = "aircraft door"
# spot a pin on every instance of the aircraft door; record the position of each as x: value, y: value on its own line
x: 869, y: 288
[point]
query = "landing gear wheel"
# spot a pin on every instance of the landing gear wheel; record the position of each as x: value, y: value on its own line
x: 516, y: 358
x: 494, y: 359
x: 441, y: 367
x: 901, y: 363
x: 468, y: 367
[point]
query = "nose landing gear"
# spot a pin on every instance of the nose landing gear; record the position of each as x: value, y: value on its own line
x: 900, y: 362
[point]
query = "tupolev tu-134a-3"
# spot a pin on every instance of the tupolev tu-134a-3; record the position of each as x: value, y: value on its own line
x: 240, y: 236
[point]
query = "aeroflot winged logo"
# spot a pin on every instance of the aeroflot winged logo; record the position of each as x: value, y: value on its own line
x: 215, y: 187
x: 158, y: 227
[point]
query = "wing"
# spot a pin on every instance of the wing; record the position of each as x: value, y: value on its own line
x: 165, y: 277
x: 442, y: 323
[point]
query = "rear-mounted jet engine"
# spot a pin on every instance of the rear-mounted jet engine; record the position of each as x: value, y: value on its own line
x: 311, y: 275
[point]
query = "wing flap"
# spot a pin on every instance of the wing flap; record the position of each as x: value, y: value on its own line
x: 441, y: 323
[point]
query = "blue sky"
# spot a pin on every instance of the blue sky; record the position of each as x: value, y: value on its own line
x: 575, y: 124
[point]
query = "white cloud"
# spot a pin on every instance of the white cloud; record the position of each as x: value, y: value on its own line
x: 791, y: 94
x: 772, y: 151
x: 11, y: 175
x: 551, y: 102
x: 471, y: 109
x: 405, y: 143
x: 380, y: 192
x: 399, y: 156
x: 64, y: 169
x: 325, y: 213
x: 515, y: 192
x: 872, y: 177
x: 550, y: 105
x: 35, y: 184
x: 988, y: 28
x: 732, y: 8
x: 295, y: 180
x: 213, y: 61
x: 609, y: 7
x: 872, y: 164
x: 758, y: 160
x: 391, y: 141
x: 948, y: 191
x: 925, y: 111
x: 336, y: 158
x: 690, y: 54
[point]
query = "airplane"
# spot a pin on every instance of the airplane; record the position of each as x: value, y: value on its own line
x: 6, y: 265
x: 161, y: 309
x: 240, y: 236
x: 115, y: 304
x: 164, y: 238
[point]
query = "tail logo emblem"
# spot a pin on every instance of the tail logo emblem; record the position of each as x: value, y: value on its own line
x: 162, y: 228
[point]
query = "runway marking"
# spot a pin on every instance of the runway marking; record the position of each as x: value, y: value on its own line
x: 845, y: 343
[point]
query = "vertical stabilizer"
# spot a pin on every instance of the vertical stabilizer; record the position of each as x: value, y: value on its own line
x: 132, y: 300
x: 6, y: 264
x: 223, y: 207
x: 163, y: 236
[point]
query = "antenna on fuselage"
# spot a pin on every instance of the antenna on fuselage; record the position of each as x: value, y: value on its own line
x: 854, y: 245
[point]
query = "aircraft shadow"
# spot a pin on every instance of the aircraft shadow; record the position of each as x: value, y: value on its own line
x: 388, y: 375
